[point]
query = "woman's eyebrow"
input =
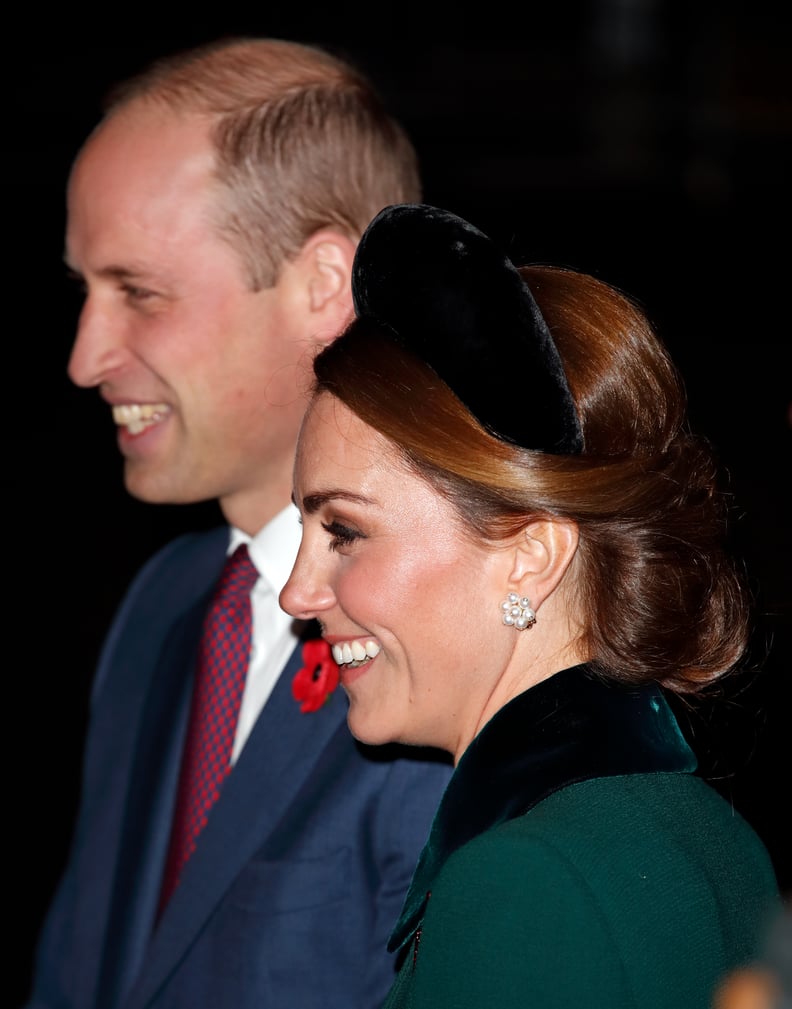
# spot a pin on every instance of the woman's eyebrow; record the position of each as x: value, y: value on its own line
x: 313, y: 502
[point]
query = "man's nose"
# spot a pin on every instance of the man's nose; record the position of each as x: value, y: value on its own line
x: 99, y: 347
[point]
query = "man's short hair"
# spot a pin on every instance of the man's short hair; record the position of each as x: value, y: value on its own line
x: 302, y: 140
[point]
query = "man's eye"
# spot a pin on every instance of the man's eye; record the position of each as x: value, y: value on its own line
x: 341, y: 535
x: 137, y: 293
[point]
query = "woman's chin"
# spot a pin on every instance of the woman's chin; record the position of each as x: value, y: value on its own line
x: 366, y: 729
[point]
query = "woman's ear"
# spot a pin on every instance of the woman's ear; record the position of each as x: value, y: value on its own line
x: 543, y: 551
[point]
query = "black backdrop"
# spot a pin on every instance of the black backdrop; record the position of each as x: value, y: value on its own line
x: 644, y: 142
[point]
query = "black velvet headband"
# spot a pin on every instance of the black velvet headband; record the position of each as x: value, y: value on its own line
x: 446, y: 293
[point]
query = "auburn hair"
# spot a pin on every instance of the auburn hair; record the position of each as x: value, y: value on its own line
x: 661, y: 597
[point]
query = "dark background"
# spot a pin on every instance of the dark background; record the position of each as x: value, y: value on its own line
x: 646, y: 142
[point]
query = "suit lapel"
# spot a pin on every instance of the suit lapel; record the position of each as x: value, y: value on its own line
x: 162, y: 639
x: 279, y: 756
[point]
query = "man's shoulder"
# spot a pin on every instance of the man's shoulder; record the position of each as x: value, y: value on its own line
x: 167, y: 588
x: 172, y: 580
x: 195, y: 556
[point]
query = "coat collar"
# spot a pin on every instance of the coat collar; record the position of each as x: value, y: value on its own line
x: 566, y: 729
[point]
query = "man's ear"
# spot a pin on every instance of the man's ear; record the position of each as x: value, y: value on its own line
x: 543, y: 551
x: 328, y: 257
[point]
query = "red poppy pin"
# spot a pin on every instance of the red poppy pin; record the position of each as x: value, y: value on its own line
x: 315, y: 681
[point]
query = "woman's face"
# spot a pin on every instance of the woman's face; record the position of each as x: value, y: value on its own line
x: 408, y: 600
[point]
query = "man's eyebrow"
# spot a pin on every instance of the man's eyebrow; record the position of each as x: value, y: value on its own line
x: 313, y: 502
x: 111, y: 272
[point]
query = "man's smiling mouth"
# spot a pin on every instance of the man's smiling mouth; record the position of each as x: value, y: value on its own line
x: 136, y: 417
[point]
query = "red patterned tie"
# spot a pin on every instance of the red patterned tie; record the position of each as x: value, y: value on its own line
x: 217, y: 694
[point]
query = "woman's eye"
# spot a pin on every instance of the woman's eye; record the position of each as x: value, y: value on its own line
x: 340, y: 535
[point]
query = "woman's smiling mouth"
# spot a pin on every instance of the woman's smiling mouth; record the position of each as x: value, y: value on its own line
x: 354, y: 653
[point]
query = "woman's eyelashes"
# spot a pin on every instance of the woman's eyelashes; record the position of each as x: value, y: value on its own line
x: 340, y: 535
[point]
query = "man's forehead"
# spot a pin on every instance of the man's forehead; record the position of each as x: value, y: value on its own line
x: 139, y: 159
x: 145, y: 136
x: 138, y: 195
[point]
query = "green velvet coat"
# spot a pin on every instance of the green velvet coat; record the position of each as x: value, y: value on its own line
x: 576, y: 861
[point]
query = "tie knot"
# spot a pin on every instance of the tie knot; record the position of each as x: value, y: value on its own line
x: 238, y: 576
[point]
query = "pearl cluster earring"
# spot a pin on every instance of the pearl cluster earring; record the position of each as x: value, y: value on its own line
x: 517, y: 611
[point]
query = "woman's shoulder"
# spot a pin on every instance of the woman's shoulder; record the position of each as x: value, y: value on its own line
x: 614, y: 870
x: 668, y: 816
x: 665, y: 839
x: 662, y: 816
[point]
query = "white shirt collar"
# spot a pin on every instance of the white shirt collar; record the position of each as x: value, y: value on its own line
x: 274, y: 548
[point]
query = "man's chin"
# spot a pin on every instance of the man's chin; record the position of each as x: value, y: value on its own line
x: 146, y: 484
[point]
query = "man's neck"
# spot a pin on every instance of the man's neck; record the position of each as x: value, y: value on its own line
x: 252, y: 511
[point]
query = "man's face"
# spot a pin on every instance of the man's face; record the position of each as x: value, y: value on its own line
x: 206, y: 377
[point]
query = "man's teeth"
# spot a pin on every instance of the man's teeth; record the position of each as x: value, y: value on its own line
x: 355, y: 653
x: 136, y: 417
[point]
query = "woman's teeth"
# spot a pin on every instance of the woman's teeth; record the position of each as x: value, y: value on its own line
x: 355, y: 653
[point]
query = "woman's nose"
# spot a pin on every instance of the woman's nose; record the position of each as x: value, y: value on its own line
x: 307, y: 594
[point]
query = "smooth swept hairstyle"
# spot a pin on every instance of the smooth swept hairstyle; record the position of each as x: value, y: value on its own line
x: 660, y: 596
x: 302, y: 140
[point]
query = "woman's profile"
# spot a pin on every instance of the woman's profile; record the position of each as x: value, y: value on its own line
x: 515, y: 548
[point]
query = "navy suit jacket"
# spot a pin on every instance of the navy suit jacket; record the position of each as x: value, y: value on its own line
x: 301, y: 871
